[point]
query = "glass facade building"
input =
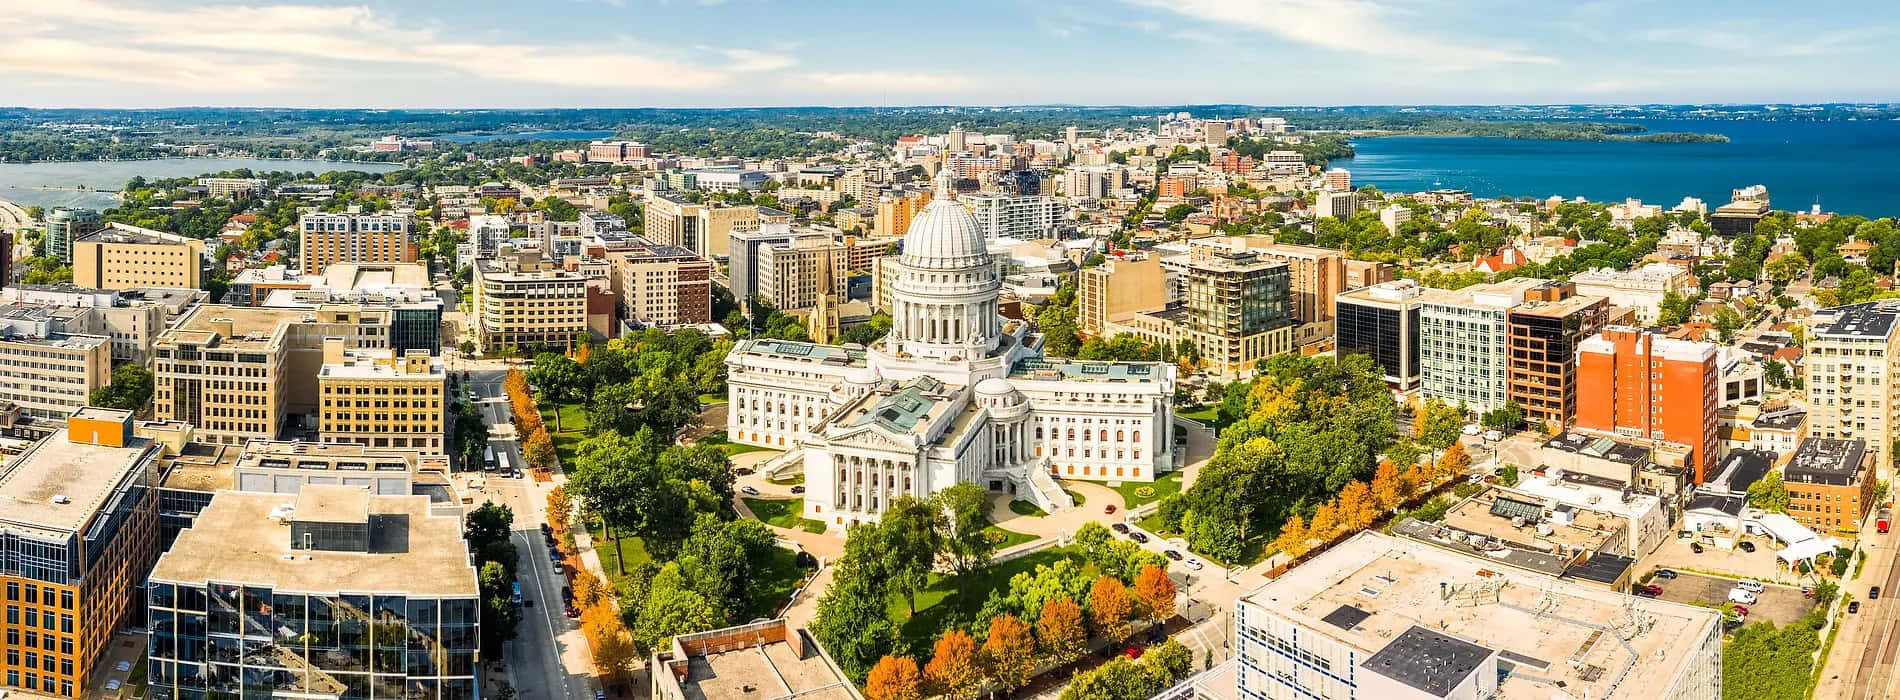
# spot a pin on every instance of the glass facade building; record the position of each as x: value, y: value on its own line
x: 226, y: 640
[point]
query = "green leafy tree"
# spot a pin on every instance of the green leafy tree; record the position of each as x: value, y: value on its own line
x: 130, y: 389
x: 1769, y: 493
x: 853, y: 620
x: 670, y: 608
x: 1119, y: 679
x: 910, y: 532
x: 964, y: 528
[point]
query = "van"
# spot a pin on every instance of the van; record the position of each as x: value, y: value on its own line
x: 1737, y: 595
x: 1750, y: 585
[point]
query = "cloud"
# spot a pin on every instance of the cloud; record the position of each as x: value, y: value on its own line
x: 1364, y: 27
x: 872, y: 82
x: 288, y: 46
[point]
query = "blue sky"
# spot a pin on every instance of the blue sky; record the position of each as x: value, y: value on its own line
x: 629, y: 53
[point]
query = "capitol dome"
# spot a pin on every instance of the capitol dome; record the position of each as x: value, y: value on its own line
x: 945, y: 236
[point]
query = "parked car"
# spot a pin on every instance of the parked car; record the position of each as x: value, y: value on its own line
x: 554, y: 555
x: 1750, y: 585
x: 1194, y: 564
x: 1695, y: 547
x: 556, y: 566
x: 1741, y: 610
x: 1665, y: 573
x: 1471, y: 430
x: 798, y: 489
x: 1109, y: 509
x: 742, y: 471
x: 1747, y: 546
x: 571, y: 611
x: 1493, y: 436
x: 1853, y: 606
x: 1873, y: 593
x: 1137, y: 536
x: 1132, y: 652
x: 1651, y: 589
x: 1121, y: 528
x: 749, y: 491
x: 1645, y: 594
x: 1171, y: 554
x: 547, y: 529
x: 1737, y: 595
x: 600, y: 695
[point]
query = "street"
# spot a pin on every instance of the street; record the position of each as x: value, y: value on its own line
x: 1862, y: 664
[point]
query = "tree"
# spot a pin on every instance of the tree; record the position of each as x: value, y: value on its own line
x: 1775, y: 372
x: 1726, y: 321
x: 1769, y: 493
x: 499, y: 616
x: 539, y: 448
x: 1388, y: 488
x: 1110, y: 608
x: 1010, y: 653
x: 1119, y: 679
x: 130, y: 388
x: 894, y: 678
x: 1169, y: 660
x: 1454, y: 462
x: 966, y: 521
x: 1293, y: 537
x: 671, y: 608
x: 612, y: 646
x: 1675, y: 309
x: 1438, y: 424
x: 1508, y: 417
x: 909, y: 534
x: 560, y: 377
x: 1327, y: 521
x: 953, y: 669
x: 1357, y: 509
x: 1061, y: 631
x: 853, y: 621
x: 1156, y: 592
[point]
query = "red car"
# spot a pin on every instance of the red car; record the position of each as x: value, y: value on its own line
x: 1133, y: 652
x: 1652, y: 589
x: 1110, y: 510
x: 1741, y: 610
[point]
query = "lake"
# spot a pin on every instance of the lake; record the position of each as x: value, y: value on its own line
x: 528, y: 136
x: 17, y: 180
x: 1844, y: 166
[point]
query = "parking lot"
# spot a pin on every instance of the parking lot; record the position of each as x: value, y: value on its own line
x: 1759, y: 564
x: 1781, y: 604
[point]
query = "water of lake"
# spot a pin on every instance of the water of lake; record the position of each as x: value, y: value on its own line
x: 19, y: 181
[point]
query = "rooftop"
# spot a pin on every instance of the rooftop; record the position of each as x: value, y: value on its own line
x: 1088, y: 371
x: 1782, y: 419
x: 252, y: 328
x: 237, y: 539
x: 1599, y: 447
x: 332, y: 503
x: 1826, y: 461
x: 1873, y: 319
x: 57, y: 485
x: 1429, y: 661
x: 1597, y: 642
x: 1740, y: 469
x: 831, y: 355
x: 121, y: 233
x: 762, y: 659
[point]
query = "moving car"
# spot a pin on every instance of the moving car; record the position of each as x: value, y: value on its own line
x: 1194, y: 564
x: 1853, y: 606
x: 1493, y: 436
x: 749, y: 491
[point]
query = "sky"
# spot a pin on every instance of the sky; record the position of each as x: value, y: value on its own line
x: 713, y: 53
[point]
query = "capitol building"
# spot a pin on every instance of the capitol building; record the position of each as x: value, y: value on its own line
x: 954, y: 393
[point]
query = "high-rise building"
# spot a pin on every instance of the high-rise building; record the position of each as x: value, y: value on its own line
x: 615, y: 151
x: 1120, y: 286
x: 671, y: 220
x: 486, y: 234
x: 64, y: 226
x: 894, y: 211
x: 125, y: 257
x: 1393, y: 216
x: 1462, y: 350
x: 1025, y: 217
x: 229, y: 187
x: 524, y: 301
x: 1338, y: 179
x: 1643, y: 384
x: 1543, y: 334
x: 1392, y: 618
x: 797, y: 274
x: 1239, y: 309
x: 80, y: 531
x: 1337, y: 204
x: 1315, y: 276
x: 1381, y: 322
x: 131, y: 319
x: 379, y: 398
x: 359, y: 238
x: 661, y: 284
x: 745, y: 247
x: 1747, y: 206
x: 46, y: 370
x: 1852, y: 366
x: 337, y: 591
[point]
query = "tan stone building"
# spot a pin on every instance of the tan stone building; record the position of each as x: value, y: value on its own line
x: 1117, y: 289
x: 662, y: 284
x: 49, y: 376
x: 1235, y: 313
x: 797, y: 273
x: 522, y: 300
x: 377, y: 398
x: 1315, y: 276
x: 122, y: 257
x: 357, y: 238
x: 895, y: 210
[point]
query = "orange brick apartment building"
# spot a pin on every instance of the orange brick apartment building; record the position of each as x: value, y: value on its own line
x: 1641, y: 384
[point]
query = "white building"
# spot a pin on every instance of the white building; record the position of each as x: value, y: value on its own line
x: 1026, y: 217
x: 1394, y: 216
x: 955, y: 393
x: 1338, y: 204
x: 1641, y: 289
x: 1462, y: 335
x: 1380, y: 617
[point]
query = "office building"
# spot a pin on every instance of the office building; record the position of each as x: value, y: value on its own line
x: 663, y: 285
x: 522, y: 301
x: 63, y: 226
x: 1851, y: 372
x: 615, y: 151
x: 1338, y: 179
x: 1315, y: 276
x: 728, y: 180
x: 396, y: 295
x: 1236, y: 312
x: 130, y: 319
x: 895, y: 210
x: 1646, y: 385
x: 1747, y: 207
x: 124, y: 257
x: 798, y: 274
x: 1117, y: 288
x: 334, y: 592
x: 1365, y: 273
x: 379, y: 398
x: 79, y: 530
x: 1544, y: 333
x: 671, y: 220
x: 767, y: 657
x: 1463, y: 352
x: 1640, y: 290
x: 1390, y: 618
x: 1024, y: 217
x: 44, y: 370
x: 233, y: 187
x: 1830, y: 485
x: 326, y: 239
x: 1382, y: 322
x: 1393, y: 216
x: 1337, y: 204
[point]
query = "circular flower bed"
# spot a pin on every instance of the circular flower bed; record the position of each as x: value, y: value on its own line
x: 1145, y: 491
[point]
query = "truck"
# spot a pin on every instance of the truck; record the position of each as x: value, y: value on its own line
x: 1882, y: 519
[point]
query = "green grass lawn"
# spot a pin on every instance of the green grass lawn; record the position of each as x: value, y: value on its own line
x: 1152, y: 524
x: 937, y: 602
x: 633, y: 548
x: 776, y: 584
x: 1079, y: 500
x: 1163, y: 487
x: 1022, y: 507
x: 783, y: 512
x: 573, y: 423
x: 712, y: 399
x: 1206, y: 415
x: 795, y: 480
x: 718, y: 439
x: 1007, y: 538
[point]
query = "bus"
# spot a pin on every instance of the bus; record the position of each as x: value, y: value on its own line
x: 488, y: 458
x: 501, y: 459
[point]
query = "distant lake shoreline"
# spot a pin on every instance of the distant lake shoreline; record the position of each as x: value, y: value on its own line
x: 21, y: 183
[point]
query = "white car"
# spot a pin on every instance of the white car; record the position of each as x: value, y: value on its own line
x: 1749, y: 585
x: 1737, y: 595
x: 1493, y: 436
x: 1194, y: 564
x: 1471, y: 430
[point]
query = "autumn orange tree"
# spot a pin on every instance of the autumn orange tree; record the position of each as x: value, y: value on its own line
x: 560, y: 509
x: 1356, y: 507
x: 953, y: 669
x: 1156, y: 592
x: 539, y: 448
x: 607, y: 636
x: 1293, y: 539
x: 588, y: 589
x: 1009, y: 653
x: 1110, y: 607
x: 1326, y: 522
x: 894, y: 678
x: 1389, y: 488
x: 1454, y: 462
x: 1061, y: 631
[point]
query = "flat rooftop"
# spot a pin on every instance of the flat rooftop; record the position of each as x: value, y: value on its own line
x: 251, y: 327
x: 235, y: 539
x: 831, y: 355
x: 56, y: 469
x: 1085, y: 371
x: 1598, y: 643
x: 1599, y: 447
x: 741, y: 673
x: 1873, y: 319
x: 1826, y: 461
x: 201, y: 467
